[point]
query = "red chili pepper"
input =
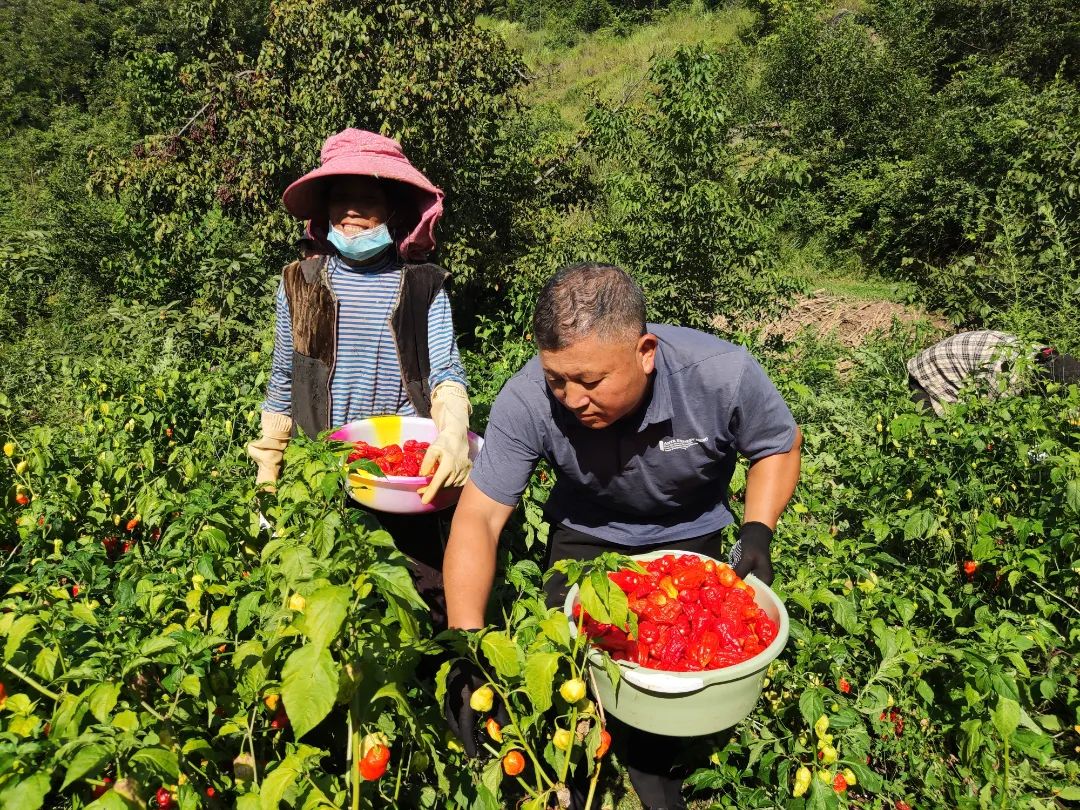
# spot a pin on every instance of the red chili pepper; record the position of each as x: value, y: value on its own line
x: 648, y: 632
x: 688, y: 578
x: 373, y: 764
x: 605, y: 743
x: 664, y: 565
x: 628, y: 581
x: 689, y: 596
x: 673, y: 650
x: 704, y: 648
x: 643, y: 650
x: 685, y: 628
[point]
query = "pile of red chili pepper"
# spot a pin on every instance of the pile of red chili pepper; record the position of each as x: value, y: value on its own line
x: 393, y: 459
x: 693, y: 614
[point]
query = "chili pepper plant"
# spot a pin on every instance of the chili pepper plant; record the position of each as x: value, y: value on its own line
x: 537, y: 668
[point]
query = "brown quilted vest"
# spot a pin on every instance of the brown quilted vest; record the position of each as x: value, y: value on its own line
x: 314, y: 311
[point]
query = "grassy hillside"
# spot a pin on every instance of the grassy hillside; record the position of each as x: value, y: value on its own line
x: 606, y: 64
x: 611, y: 66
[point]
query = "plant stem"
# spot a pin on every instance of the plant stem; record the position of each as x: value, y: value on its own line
x: 1053, y: 595
x: 513, y: 719
x: 1005, y: 776
x: 152, y: 711
x: 251, y: 747
x: 354, y: 738
x: 402, y: 768
x: 592, y: 785
x: 573, y: 740
x: 596, y: 695
x: 18, y: 673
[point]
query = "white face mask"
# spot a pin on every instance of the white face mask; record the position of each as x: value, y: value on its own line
x: 363, y: 245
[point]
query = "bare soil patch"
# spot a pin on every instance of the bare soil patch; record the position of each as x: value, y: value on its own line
x: 849, y: 321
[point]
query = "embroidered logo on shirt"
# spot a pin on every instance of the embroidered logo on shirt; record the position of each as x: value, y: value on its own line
x: 667, y: 445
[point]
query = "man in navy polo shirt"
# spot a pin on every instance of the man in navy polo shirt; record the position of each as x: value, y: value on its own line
x: 642, y: 424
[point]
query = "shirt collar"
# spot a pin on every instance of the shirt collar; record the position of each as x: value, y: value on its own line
x: 388, y: 261
x: 659, y: 408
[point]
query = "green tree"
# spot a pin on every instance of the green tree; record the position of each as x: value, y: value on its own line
x: 204, y: 192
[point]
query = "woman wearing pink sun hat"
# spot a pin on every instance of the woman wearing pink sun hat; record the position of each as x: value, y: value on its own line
x: 364, y: 325
x: 416, y: 200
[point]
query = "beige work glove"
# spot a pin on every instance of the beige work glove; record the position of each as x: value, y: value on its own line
x: 450, y: 411
x: 268, y: 449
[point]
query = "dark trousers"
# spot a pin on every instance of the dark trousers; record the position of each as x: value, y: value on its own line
x: 421, y: 538
x: 918, y: 394
x: 650, y: 759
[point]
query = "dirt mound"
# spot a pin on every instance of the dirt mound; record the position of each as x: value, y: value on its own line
x: 850, y: 321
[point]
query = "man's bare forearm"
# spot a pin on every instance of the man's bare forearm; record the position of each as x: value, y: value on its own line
x: 770, y: 483
x: 469, y: 559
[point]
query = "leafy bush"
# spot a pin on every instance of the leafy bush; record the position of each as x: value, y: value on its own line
x: 424, y: 74
x: 949, y: 171
x: 678, y: 204
x: 170, y: 663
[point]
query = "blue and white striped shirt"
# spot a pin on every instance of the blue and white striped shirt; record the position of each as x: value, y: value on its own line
x: 367, y: 375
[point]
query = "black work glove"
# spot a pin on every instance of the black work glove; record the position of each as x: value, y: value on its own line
x: 751, y: 553
x: 462, y: 680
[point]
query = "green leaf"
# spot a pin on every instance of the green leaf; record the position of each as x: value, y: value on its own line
x: 29, y: 794
x: 868, y: 779
x: 919, y: 525
x: 973, y: 738
x: 1005, y: 685
x: 614, y: 672
x: 1072, y: 495
x: 128, y: 721
x: 440, y: 682
x: 615, y: 603
x: 247, y: 607
x: 162, y: 761
x: 1006, y: 716
x: 45, y: 663
x: 395, y: 580
x: 595, y: 595
x: 822, y: 796
x: 19, y: 630
x: 323, y: 615
x: 540, y: 669
x: 875, y: 699
x: 156, y: 644
x: 278, y: 781
x: 84, y: 613
x: 492, y: 776
x: 502, y: 653
x: 557, y: 629
x: 309, y: 682
x: 102, y: 700
x: 925, y: 692
x: 219, y: 620
x: 1069, y: 794
x: 111, y: 800
x: 811, y: 706
x: 89, y: 759
x: 393, y: 692
x: 844, y: 614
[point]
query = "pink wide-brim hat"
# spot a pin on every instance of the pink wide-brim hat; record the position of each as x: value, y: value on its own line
x: 368, y: 154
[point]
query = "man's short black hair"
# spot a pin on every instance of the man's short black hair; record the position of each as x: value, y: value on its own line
x: 588, y: 299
